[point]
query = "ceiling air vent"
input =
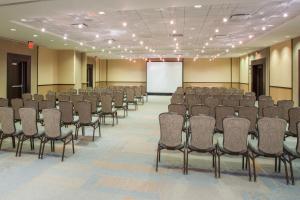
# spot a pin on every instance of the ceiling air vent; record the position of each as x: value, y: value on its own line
x: 176, y: 35
x: 239, y: 17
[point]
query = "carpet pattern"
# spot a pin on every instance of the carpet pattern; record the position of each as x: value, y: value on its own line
x: 121, y: 166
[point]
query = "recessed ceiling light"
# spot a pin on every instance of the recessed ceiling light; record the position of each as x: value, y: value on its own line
x: 101, y: 13
x: 172, y: 22
x: 174, y: 31
x: 23, y: 20
x: 206, y: 44
x: 80, y: 26
x: 93, y: 47
x: 264, y: 19
x: 51, y: 40
x: 66, y: 44
x: 175, y: 39
x: 97, y: 36
x: 65, y: 36
x: 177, y: 44
x: 240, y: 42
x: 217, y: 30
x: 227, y: 50
x: 198, y: 6
x: 43, y: 29
x: 81, y: 43
x: 211, y: 39
x: 285, y: 15
x: 202, y: 51
x: 233, y: 46
x: 263, y: 28
x: 13, y: 29
x: 251, y: 36
x: 124, y: 24
x: 146, y: 47
x: 102, y: 50
x: 133, y: 35
x: 110, y: 41
x: 141, y: 42
x: 225, y: 20
x: 109, y: 52
x: 119, y: 46
x: 35, y: 35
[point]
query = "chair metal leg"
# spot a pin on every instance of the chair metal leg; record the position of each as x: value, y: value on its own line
x: 243, y: 163
x: 40, y: 151
x: 21, y: 147
x: 13, y: 142
x: 63, y: 153
x: 72, y: 138
x: 1, y: 140
x: 117, y: 117
x: 279, y: 165
x: 184, y: 160
x: 249, y: 167
x: 19, y: 138
x: 157, y: 157
x: 43, y: 149
x: 94, y: 128
x: 113, y: 117
x: 291, y: 169
x: 286, y: 171
x: 275, y: 164
x: 219, y: 166
x: 254, y: 168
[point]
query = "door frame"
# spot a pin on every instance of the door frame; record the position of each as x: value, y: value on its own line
x: 88, y: 67
x: 262, y: 62
x: 13, y: 57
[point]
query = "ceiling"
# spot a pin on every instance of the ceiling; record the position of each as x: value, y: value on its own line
x: 149, y: 33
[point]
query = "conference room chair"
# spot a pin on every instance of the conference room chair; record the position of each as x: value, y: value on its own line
x: 180, y: 91
x: 16, y: 105
x: 94, y: 101
x: 86, y: 119
x: 144, y: 92
x: 190, y: 100
x: 26, y: 96
x: 38, y: 97
x: 54, y: 132
x: 179, y: 109
x: 223, y: 112
x: 271, y: 112
x: 197, y: 110
x: 189, y: 90
x: 170, y: 135
x: 8, y: 128
x: 234, y: 140
x: 30, y: 130
x: 212, y: 103
x: 72, y: 91
x: 51, y: 97
x: 200, y: 138
x: 177, y: 99
x: 247, y: 102
x: 46, y: 104
x: 264, y: 97
x: 231, y: 102
x: 108, y: 109
x: 3, y: 102
x: 269, y: 143
x: 284, y: 106
x: 263, y: 104
x: 138, y: 94
x: 250, y: 94
x: 130, y: 98
x: 292, y: 150
x: 119, y: 103
x: 67, y: 117
x: 249, y: 113
x: 294, y: 118
x: 63, y: 97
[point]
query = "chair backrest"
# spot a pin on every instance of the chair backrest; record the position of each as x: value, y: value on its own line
x: 51, y: 97
x: 212, y: 103
x: 177, y: 99
x: 179, y: 109
x: 84, y: 111
x: 171, y: 129
x: 235, y: 134
x: 52, y: 119
x: 250, y: 94
x: 119, y: 99
x: 200, y: 110
x: 284, y: 106
x: 271, y: 111
x: 191, y: 99
x: 38, y: 97
x: 31, y: 104
x: 130, y: 94
x: 230, y: 102
x: 28, y: 120
x: 106, y: 102
x: 294, y: 118
x: 264, y: 97
x: 249, y: 113
x: 247, y: 102
x: 138, y: 91
x: 76, y: 98
x: 63, y: 97
x: 202, y: 131
x: 66, y: 109
x: 263, y: 104
x: 7, y: 120
x: 94, y: 102
x: 271, y: 135
x: 223, y: 112
x: 16, y: 105
x: 26, y: 96
x: 3, y: 102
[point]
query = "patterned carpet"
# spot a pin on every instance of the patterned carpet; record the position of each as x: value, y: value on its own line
x: 121, y: 165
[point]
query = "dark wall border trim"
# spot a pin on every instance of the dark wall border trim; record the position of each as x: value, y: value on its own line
x: 289, y: 88
x: 160, y: 94
x: 54, y: 84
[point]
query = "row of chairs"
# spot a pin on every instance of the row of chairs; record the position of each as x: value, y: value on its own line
x: 234, y: 141
x: 209, y: 90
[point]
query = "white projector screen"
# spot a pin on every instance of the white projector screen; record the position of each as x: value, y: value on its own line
x: 163, y: 77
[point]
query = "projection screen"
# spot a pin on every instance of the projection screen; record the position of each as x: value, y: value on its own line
x: 163, y: 77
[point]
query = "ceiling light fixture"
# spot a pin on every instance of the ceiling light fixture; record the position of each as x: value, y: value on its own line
x: 101, y: 13
x: 35, y: 35
x: 172, y: 22
x: 206, y: 44
x: 263, y: 28
x: 109, y: 41
x: 227, y: 50
x: 141, y: 42
x: 285, y: 15
x: 217, y: 30
x: 124, y: 24
x: 198, y: 6
x: 211, y: 39
x: 250, y: 36
x: 93, y: 47
x: 13, y: 29
x: 225, y: 20
x: 133, y: 35
x: 23, y: 20
x: 81, y: 43
x: 240, y: 42
x: 97, y: 36
x: 43, y: 30
x: 174, y: 31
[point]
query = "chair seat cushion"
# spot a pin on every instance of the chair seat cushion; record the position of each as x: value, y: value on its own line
x: 291, y: 148
x: 253, y: 145
x: 95, y: 119
x: 75, y: 119
x: 65, y: 132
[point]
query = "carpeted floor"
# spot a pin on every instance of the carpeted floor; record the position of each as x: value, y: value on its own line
x: 121, y: 165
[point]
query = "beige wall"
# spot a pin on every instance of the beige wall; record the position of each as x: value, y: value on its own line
x: 77, y: 70
x: 235, y: 70
x: 244, y: 69
x: 65, y: 67
x: 126, y: 71
x: 295, y: 72
x: 281, y: 64
x: 48, y: 66
x: 8, y: 46
x: 204, y: 70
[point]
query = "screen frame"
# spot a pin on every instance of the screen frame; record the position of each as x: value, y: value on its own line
x: 163, y: 93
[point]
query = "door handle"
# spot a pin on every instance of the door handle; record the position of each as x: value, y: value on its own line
x: 17, y: 86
